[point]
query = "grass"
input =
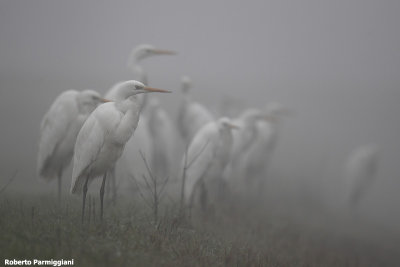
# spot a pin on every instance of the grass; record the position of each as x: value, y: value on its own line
x: 36, y: 227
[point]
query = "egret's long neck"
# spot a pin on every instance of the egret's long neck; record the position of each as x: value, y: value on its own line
x: 131, y: 109
x: 140, y: 74
x: 187, y: 98
x: 132, y: 62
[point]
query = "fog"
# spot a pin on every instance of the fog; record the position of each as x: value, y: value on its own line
x: 335, y: 63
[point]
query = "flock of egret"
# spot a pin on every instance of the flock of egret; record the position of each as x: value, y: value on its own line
x: 105, y: 135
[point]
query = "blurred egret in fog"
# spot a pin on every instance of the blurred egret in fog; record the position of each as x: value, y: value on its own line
x: 191, y: 115
x: 103, y: 136
x: 137, y: 54
x: 163, y: 135
x: 243, y: 138
x: 206, y: 159
x: 361, y: 171
x: 59, y: 129
x: 258, y: 157
x: 246, y: 133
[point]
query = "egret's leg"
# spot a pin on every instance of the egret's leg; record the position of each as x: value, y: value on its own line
x: 90, y: 207
x: 113, y: 186
x: 102, y: 195
x: 85, y: 189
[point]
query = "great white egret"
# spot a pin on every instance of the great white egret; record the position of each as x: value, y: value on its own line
x: 243, y: 138
x: 361, y: 171
x: 191, y: 115
x: 103, y: 136
x: 142, y: 141
x: 206, y: 158
x: 257, y: 158
x: 59, y: 129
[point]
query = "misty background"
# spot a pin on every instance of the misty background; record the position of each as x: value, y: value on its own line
x: 336, y: 63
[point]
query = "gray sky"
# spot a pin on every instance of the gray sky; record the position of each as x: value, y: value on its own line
x: 335, y: 62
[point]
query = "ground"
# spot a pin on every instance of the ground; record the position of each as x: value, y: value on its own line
x: 37, y: 227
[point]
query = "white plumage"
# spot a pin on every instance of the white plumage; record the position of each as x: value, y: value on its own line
x: 191, y: 115
x: 256, y: 159
x: 102, y: 138
x: 243, y: 139
x: 207, y: 156
x: 59, y: 129
x: 131, y: 161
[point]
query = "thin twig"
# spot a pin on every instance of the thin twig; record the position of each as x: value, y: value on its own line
x: 163, y: 185
x: 140, y: 192
x: 147, y: 184
x: 198, y: 155
x: 147, y: 165
x: 9, y: 181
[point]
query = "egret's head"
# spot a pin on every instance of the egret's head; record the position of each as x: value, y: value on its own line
x: 186, y: 84
x: 276, y: 109
x: 143, y: 51
x: 89, y: 99
x: 251, y: 115
x: 132, y: 87
x: 226, y: 123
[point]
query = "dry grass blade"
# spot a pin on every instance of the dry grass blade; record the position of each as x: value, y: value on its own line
x: 140, y: 192
x: 9, y: 181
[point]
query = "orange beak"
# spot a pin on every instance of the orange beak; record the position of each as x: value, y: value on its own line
x: 164, y: 52
x: 156, y: 90
x: 233, y: 126
x: 105, y: 100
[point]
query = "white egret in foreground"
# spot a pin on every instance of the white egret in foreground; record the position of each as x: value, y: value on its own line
x: 207, y: 156
x: 361, y: 171
x: 142, y: 141
x: 191, y: 115
x: 59, y: 129
x: 102, y: 138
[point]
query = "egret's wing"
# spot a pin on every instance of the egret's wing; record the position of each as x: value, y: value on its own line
x: 54, y: 128
x: 140, y: 141
x: 90, y: 141
x: 180, y: 120
x: 169, y: 136
x: 197, y: 116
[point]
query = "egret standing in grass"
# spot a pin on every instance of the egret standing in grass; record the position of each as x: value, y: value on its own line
x: 103, y: 136
x: 257, y: 158
x: 59, y: 129
x: 243, y: 138
x: 142, y: 142
x: 206, y: 159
